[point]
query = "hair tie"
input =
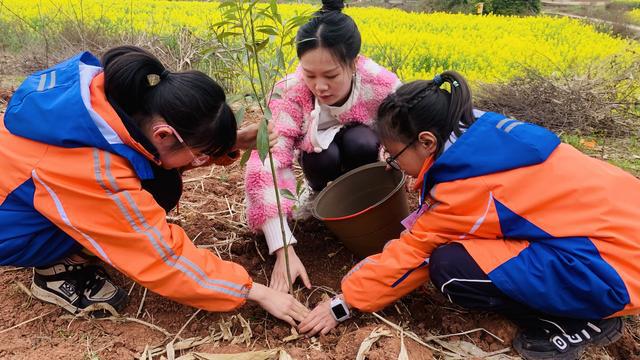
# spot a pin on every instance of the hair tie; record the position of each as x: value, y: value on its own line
x: 438, y: 80
x: 164, y: 74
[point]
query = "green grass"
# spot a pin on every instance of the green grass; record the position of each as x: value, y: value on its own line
x: 623, y: 153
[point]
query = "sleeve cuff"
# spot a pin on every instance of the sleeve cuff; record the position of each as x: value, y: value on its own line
x: 273, y: 234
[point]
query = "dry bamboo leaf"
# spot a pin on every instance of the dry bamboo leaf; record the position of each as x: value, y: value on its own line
x: 375, y: 335
x: 294, y: 335
x: 475, y: 352
x: 143, y: 356
x: 284, y: 355
x: 246, y: 335
x: 191, y: 343
x: 23, y: 288
x: 292, y: 338
x: 315, y: 344
x: 171, y: 352
x: 252, y: 355
x: 97, y: 307
x: 225, y: 328
x: 403, y: 355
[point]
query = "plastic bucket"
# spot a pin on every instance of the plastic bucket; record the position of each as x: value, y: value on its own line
x: 364, y: 207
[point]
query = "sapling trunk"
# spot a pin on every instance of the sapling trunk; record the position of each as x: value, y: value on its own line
x: 242, y: 20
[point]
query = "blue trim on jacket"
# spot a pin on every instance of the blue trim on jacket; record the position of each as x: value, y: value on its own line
x: 493, y: 143
x: 49, y: 109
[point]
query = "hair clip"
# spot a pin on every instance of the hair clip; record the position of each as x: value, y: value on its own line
x: 455, y: 83
x: 153, y: 79
x: 305, y: 40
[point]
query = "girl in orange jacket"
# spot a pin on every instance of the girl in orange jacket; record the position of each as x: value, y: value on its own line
x: 90, y: 152
x: 510, y: 220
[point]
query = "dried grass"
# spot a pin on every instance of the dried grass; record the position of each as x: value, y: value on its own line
x: 605, y: 100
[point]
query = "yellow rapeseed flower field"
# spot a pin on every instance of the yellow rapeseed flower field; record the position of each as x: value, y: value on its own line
x: 416, y: 45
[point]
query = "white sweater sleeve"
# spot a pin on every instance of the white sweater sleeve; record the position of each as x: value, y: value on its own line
x: 273, y: 234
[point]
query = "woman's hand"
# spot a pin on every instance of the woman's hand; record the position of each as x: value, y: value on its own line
x: 279, y: 274
x: 247, y: 136
x: 320, y: 320
x: 283, y: 306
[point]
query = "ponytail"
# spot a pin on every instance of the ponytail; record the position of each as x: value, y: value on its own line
x: 190, y: 101
x: 127, y: 70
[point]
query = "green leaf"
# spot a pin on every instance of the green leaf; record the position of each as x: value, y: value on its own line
x: 299, y: 188
x: 267, y: 114
x: 240, y: 115
x: 287, y: 194
x: 221, y: 24
x: 260, y: 45
x: 234, y: 98
x: 226, y: 34
x: 225, y: 4
x: 245, y: 157
x: 274, y: 10
x: 280, y: 58
x: 265, y: 29
x: 262, y: 142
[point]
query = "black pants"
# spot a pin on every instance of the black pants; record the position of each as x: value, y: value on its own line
x: 352, y: 147
x: 457, y: 275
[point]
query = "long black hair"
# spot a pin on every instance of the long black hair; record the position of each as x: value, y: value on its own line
x: 422, y: 105
x: 330, y: 29
x: 189, y: 101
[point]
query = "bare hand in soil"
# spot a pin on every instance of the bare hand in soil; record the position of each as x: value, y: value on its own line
x: 246, y: 138
x: 320, y: 320
x: 279, y: 275
x: 283, y: 306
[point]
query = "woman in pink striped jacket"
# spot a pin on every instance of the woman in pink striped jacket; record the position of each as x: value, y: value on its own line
x: 324, y: 112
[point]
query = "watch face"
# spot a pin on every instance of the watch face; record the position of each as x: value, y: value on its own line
x: 338, y: 311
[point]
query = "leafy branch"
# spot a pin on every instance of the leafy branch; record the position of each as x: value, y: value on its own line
x: 248, y: 33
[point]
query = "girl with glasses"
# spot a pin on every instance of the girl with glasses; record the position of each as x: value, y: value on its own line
x: 510, y: 220
x: 324, y: 113
x: 91, y: 151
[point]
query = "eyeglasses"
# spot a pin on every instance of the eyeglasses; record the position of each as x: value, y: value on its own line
x: 198, y: 160
x: 391, y: 160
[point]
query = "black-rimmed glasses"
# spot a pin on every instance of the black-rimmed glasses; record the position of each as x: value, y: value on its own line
x: 391, y: 160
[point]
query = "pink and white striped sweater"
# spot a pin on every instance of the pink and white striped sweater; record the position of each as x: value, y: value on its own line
x: 291, y: 111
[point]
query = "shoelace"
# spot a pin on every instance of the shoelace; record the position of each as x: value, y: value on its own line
x: 92, y: 278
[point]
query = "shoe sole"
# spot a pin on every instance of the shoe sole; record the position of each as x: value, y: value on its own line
x: 51, y: 298
x: 606, y: 339
x: 612, y: 336
x: 571, y: 354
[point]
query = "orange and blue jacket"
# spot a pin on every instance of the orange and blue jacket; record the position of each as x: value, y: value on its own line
x: 72, y: 175
x: 551, y: 227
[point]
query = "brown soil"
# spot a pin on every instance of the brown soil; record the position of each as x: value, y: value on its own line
x: 211, y: 212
